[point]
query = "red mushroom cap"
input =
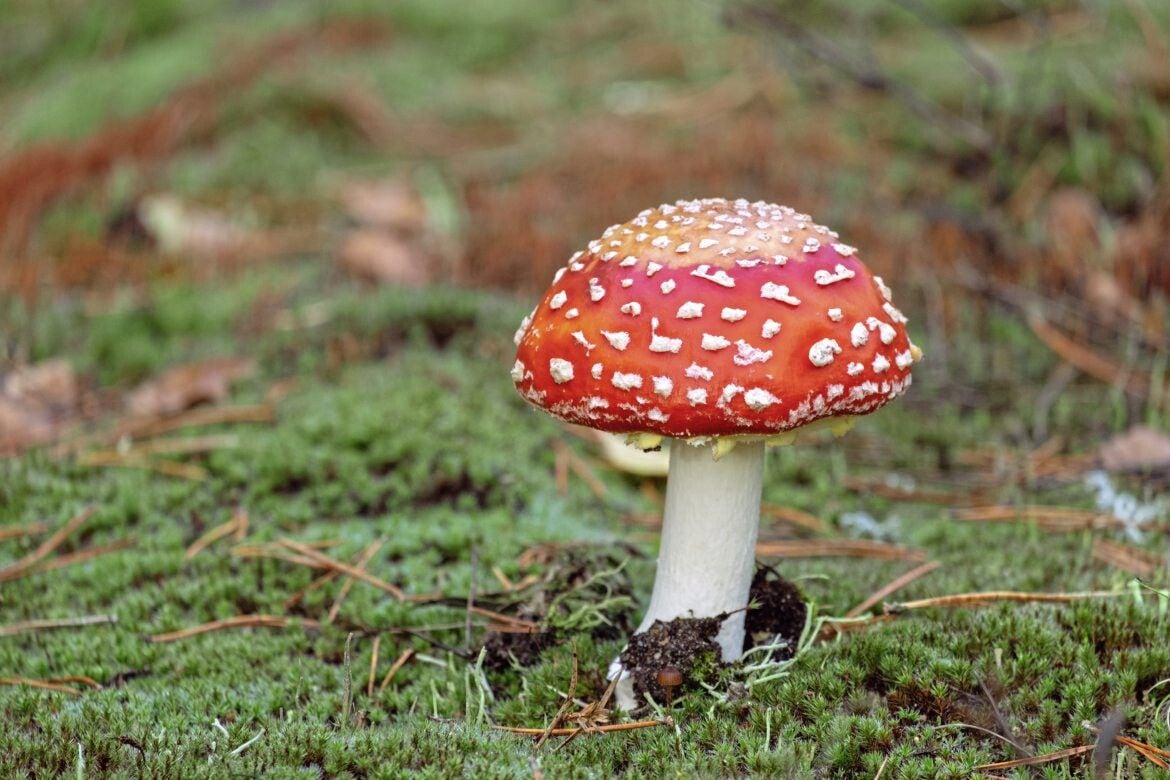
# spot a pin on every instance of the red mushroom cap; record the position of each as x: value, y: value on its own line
x: 711, y: 318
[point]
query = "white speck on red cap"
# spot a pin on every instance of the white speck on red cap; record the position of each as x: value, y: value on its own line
x: 839, y: 274
x: 579, y: 337
x: 719, y: 276
x: 596, y: 291
x: 858, y: 336
x: 626, y: 381
x: 746, y: 354
x: 619, y: 340
x: 778, y: 292
x: 695, y: 371
x: 561, y: 370
x: 758, y: 399
x: 714, y: 343
x: 822, y: 352
x: 732, y: 315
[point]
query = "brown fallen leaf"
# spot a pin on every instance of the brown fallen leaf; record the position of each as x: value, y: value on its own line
x: 389, y: 203
x: 50, y: 384
x: 1141, y: 448
x: 35, y: 401
x: 22, y: 426
x: 378, y: 256
x: 205, y: 381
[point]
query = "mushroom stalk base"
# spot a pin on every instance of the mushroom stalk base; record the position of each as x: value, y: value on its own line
x: 707, y: 556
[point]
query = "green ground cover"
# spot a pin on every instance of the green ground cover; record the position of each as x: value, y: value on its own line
x: 431, y: 449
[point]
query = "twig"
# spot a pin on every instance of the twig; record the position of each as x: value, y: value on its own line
x: 329, y: 563
x: 77, y: 678
x: 398, y: 664
x: 564, y: 708
x: 239, y: 621
x: 316, y: 584
x: 641, y: 724
x: 1034, y: 760
x: 894, y: 585
x: 846, y: 548
x: 995, y: 596
x: 169, y: 468
x: 13, y: 629
x: 1134, y: 382
x: 17, y: 531
x: 47, y: 686
x: 184, y: 445
x: 22, y: 566
x: 363, y: 561
x: 1049, y: 518
x: 1155, y: 755
x: 919, y: 495
x: 1129, y: 559
x: 89, y: 553
x: 792, y: 516
x: 214, y: 535
x: 579, y: 467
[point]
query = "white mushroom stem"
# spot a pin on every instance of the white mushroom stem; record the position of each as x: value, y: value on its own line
x: 707, y: 555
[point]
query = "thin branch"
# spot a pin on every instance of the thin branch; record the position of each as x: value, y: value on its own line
x: 995, y: 596
x: 363, y: 561
x: 329, y: 563
x: 398, y: 664
x: 894, y: 585
x: 45, y: 686
x: 25, y: 564
x: 641, y: 724
x: 12, y: 629
x: 239, y: 621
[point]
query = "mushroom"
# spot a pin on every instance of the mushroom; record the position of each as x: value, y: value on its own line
x: 725, y: 325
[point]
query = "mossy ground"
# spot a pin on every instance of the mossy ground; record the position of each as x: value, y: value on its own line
x: 431, y: 449
x: 400, y: 423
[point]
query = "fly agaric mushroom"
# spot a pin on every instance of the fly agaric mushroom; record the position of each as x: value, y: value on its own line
x: 725, y: 325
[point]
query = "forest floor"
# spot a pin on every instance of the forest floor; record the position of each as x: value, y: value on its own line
x: 272, y: 507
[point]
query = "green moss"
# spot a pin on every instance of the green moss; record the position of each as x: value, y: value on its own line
x: 431, y: 450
